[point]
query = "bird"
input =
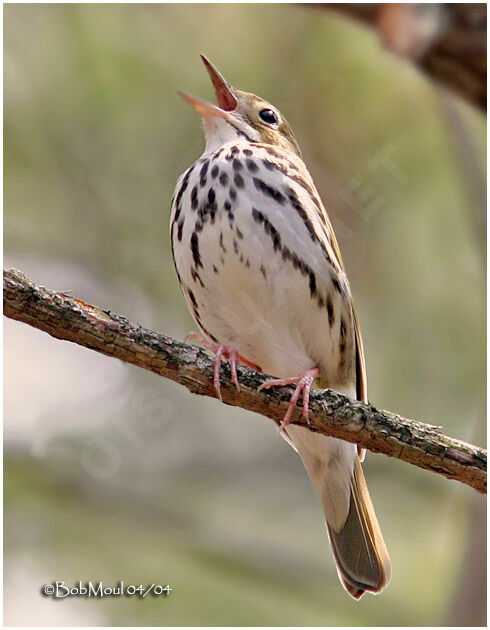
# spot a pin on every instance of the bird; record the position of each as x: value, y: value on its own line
x: 262, y: 275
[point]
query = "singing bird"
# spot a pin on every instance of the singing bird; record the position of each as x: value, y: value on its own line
x: 261, y: 272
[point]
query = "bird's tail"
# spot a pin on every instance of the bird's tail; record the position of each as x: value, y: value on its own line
x: 362, y: 560
x: 363, y: 563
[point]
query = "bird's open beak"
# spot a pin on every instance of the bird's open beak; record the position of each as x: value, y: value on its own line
x: 224, y: 93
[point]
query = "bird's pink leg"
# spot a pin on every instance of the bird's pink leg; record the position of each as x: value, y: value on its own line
x: 223, y: 352
x: 303, y: 384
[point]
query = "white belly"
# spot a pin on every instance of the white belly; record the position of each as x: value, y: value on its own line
x: 262, y: 317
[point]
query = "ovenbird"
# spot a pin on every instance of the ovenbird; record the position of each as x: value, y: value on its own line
x: 262, y: 275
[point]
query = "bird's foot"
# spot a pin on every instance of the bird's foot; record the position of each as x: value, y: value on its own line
x: 303, y: 384
x: 223, y: 352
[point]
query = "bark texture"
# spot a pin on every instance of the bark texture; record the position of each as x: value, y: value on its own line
x: 70, y: 319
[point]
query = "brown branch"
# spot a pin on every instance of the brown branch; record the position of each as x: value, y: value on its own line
x: 67, y: 318
x: 448, y: 42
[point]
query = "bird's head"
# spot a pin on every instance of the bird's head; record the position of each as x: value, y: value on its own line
x: 240, y: 115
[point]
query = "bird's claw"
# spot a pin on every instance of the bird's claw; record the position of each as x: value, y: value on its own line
x: 303, y: 384
x: 221, y: 352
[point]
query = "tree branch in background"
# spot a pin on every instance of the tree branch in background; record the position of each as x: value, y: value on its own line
x: 65, y: 317
x: 446, y: 41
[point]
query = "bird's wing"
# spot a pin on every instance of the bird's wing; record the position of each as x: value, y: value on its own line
x: 361, y: 375
x: 361, y: 378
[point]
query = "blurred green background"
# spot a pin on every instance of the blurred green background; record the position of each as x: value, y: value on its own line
x: 113, y: 473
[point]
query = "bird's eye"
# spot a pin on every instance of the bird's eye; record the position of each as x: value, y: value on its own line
x: 268, y: 116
